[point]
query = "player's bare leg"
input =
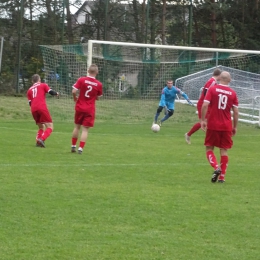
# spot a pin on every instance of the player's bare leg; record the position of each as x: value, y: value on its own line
x: 83, y: 139
x: 74, y: 138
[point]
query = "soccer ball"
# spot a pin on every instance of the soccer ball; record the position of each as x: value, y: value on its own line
x: 155, y: 128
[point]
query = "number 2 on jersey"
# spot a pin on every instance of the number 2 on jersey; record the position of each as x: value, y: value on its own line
x: 222, y: 101
x: 89, y: 88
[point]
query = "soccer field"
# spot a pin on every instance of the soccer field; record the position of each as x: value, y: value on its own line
x: 132, y: 194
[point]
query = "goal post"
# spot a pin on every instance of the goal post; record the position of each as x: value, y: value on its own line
x: 246, y: 84
x: 134, y: 74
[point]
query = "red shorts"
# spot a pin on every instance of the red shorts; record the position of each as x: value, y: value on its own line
x: 220, y: 139
x: 84, y: 119
x: 42, y: 116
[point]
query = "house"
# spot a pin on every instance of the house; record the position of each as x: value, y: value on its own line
x: 83, y: 15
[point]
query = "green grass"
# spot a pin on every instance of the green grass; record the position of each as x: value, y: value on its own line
x: 132, y: 194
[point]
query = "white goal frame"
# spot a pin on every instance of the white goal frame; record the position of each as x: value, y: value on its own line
x: 254, y: 119
x: 170, y: 47
x: 248, y: 78
x: 133, y: 74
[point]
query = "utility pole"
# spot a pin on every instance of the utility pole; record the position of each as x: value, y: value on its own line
x: 20, y: 28
x: 147, y: 20
x: 190, y: 24
x: 63, y: 20
x: 1, y: 51
x: 106, y: 19
x: 190, y: 35
x: 213, y: 25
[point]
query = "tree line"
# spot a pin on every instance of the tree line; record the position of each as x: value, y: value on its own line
x: 26, y: 24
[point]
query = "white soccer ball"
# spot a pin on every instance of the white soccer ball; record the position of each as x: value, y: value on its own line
x: 155, y: 128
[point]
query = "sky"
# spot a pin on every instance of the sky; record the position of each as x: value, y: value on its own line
x: 73, y: 9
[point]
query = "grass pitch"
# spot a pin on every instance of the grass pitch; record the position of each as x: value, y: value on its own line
x: 132, y: 194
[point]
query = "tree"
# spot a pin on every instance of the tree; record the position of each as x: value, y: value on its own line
x: 69, y: 23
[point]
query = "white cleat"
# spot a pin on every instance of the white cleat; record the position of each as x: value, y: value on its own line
x: 187, y: 138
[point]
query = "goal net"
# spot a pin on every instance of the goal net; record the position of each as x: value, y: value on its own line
x: 133, y: 76
x: 246, y: 84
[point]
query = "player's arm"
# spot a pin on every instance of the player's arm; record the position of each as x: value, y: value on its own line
x: 204, y: 110
x: 100, y: 92
x: 74, y: 94
x: 53, y: 93
x: 98, y: 97
x: 186, y: 97
x: 235, y: 119
x: 29, y: 99
x: 47, y: 89
x: 205, y: 92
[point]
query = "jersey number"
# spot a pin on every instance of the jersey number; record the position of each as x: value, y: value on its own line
x: 34, y: 92
x: 89, y: 88
x: 222, y: 101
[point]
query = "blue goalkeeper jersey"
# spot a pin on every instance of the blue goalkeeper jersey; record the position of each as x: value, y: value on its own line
x: 168, y: 97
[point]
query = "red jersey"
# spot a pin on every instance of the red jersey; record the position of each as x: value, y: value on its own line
x: 36, y: 94
x: 90, y: 89
x: 221, y: 99
x: 211, y: 82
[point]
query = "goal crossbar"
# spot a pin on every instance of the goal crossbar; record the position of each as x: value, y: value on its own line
x: 133, y: 74
x: 216, y: 50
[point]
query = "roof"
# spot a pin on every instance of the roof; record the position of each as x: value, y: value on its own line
x: 86, y: 3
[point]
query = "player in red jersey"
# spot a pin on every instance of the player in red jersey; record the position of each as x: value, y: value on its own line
x: 36, y: 98
x: 211, y: 82
x: 90, y: 90
x: 221, y: 99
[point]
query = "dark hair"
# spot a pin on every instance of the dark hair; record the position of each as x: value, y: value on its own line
x: 36, y: 78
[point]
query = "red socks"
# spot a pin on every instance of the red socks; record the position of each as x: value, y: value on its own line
x: 74, y: 141
x: 223, y: 165
x: 46, y: 134
x: 194, y: 129
x: 39, y: 133
x: 212, y: 159
x: 82, y: 144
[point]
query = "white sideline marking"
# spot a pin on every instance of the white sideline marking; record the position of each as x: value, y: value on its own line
x: 69, y: 133
x: 93, y: 164
x: 90, y: 133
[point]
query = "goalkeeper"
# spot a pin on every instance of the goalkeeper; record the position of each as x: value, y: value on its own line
x: 168, y: 96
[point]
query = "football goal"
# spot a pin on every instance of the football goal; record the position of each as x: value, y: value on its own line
x: 133, y: 76
x: 246, y: 84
